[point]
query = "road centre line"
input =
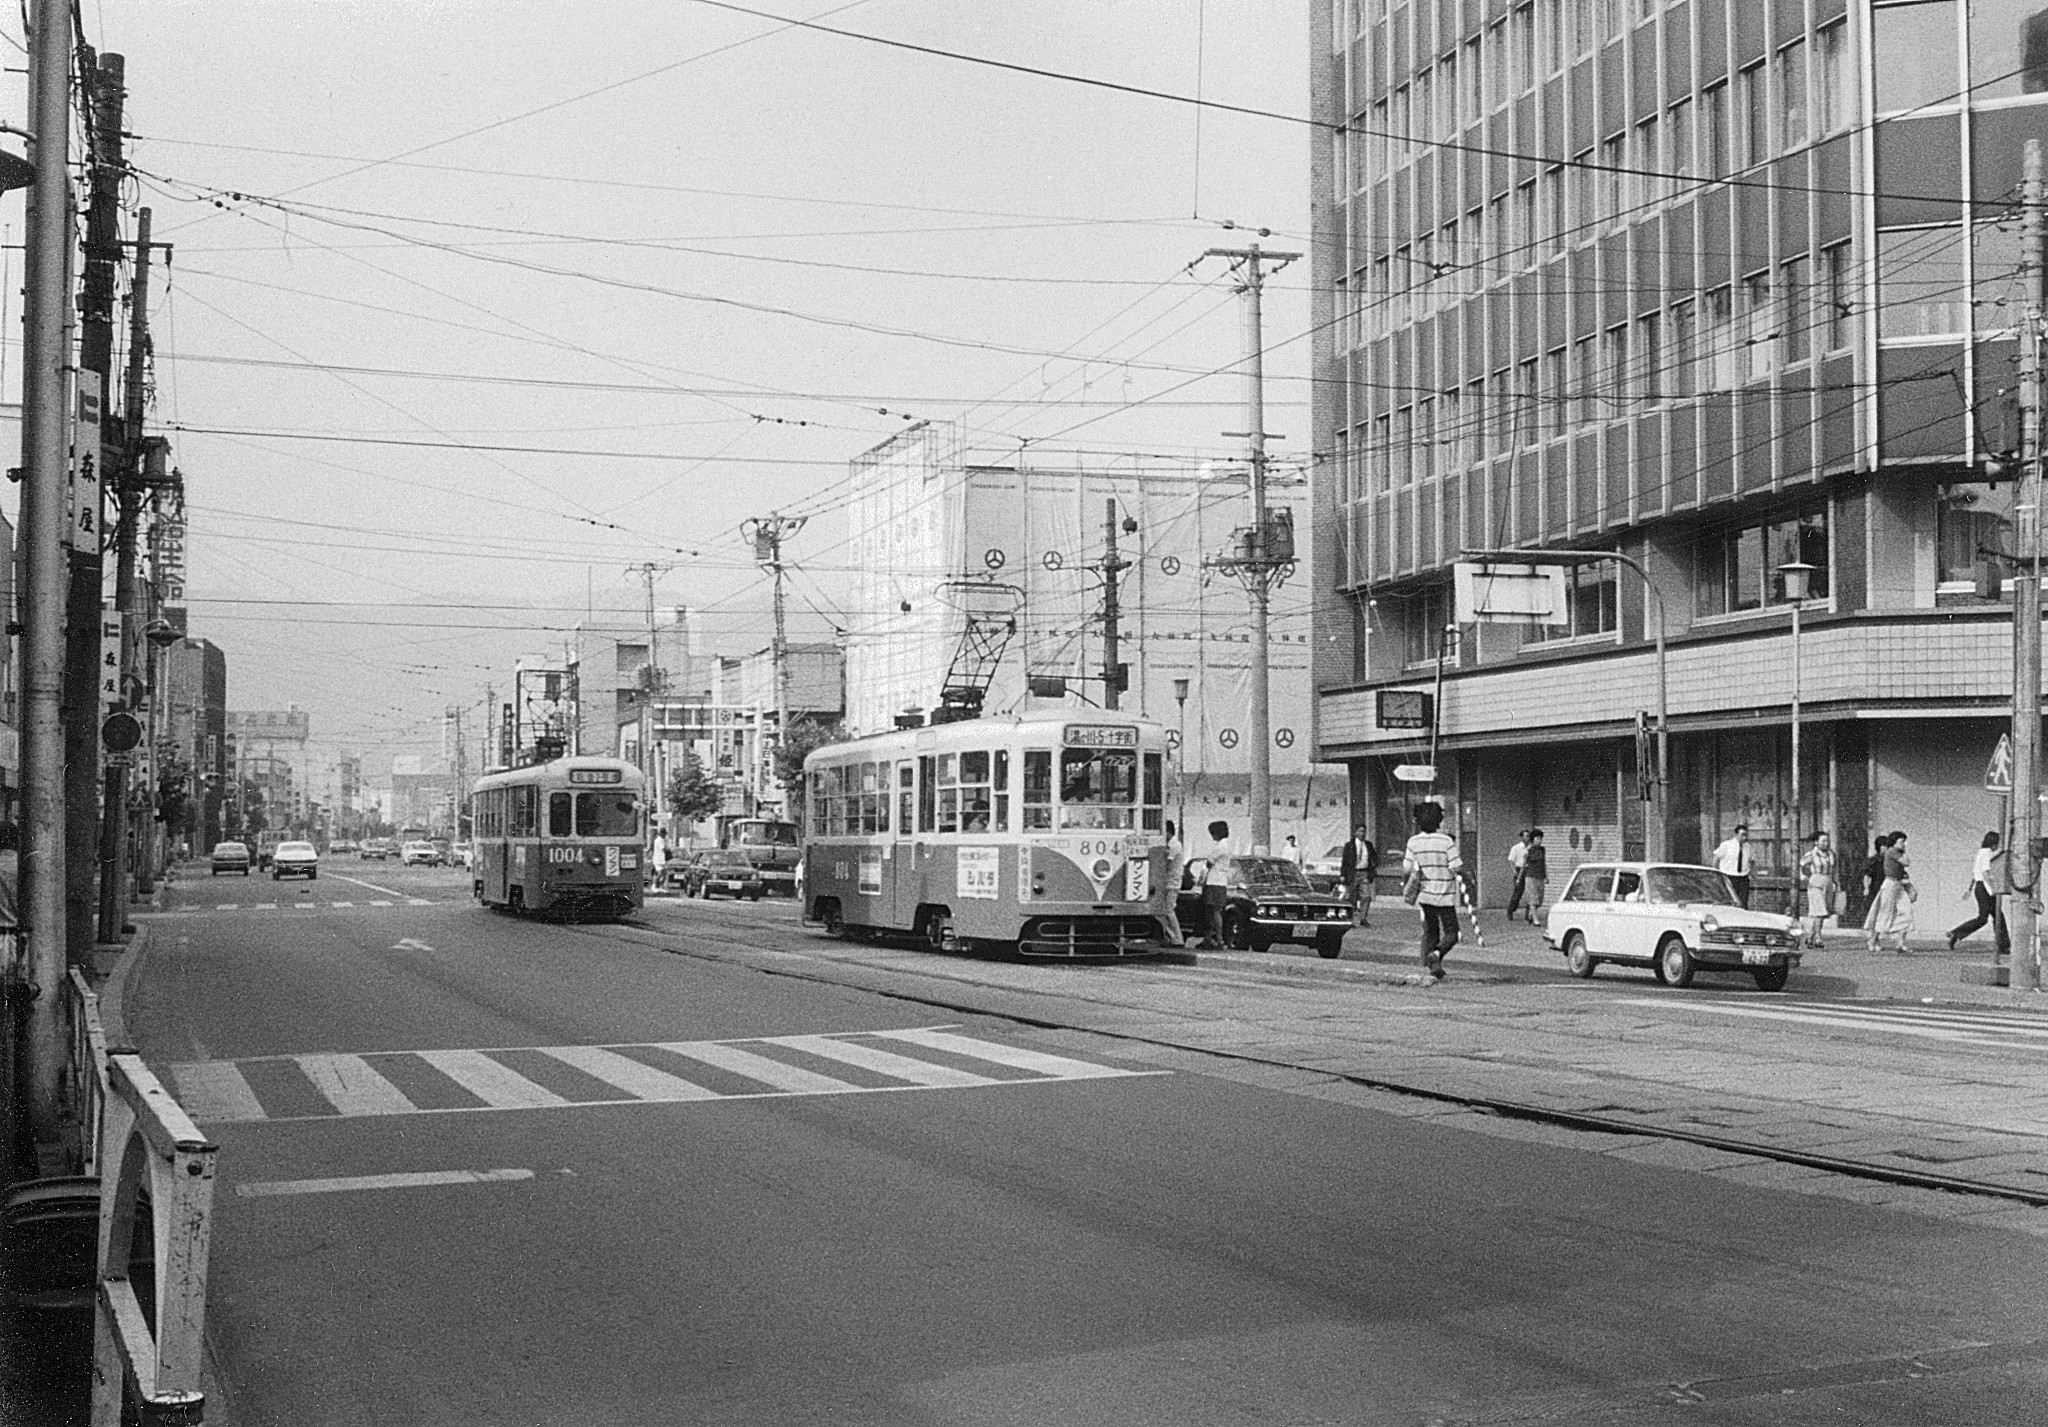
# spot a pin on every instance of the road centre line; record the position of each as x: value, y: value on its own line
x: 419, y: 1180
x: 343, y: 876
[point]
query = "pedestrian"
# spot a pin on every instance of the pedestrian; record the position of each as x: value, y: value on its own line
x: 1517, y: 858
x: 1176, y: 865
x: 1734, y: 859
x: 1985, y: 878
x: 1216, y: 886
x: 1535, y: 872
x: 1291, y: 850
x: 1431, y: 866
x: 657, y: 861
x: 1892, y: 921
x: 1358, y: 870
x: 1818, y: 868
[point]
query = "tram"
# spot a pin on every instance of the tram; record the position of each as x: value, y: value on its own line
x: 562, y: 837
x: 1044, y: 831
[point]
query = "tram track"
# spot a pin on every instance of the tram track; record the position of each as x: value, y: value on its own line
x: 811, y: 966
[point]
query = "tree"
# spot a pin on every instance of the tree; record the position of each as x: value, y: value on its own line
x: 693, y: 793
x: 806, y: 736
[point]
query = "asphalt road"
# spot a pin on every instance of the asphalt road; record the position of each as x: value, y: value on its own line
x: 781, y: 1201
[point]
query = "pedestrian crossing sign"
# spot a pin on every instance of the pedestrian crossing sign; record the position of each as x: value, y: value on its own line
x: 1998, y: 772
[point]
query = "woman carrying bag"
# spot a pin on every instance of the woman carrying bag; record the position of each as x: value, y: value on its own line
x: 1818, y: 868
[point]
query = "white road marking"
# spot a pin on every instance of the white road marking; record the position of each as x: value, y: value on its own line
x: 759, y: 1067
x: 898, y: 1067
x: 379, y: 904
x: 264, y: 907
x: 632, y: 1076
x: 418, y: 902
x: 1946, y: 1028
x: 424, y: 1179
x: 352, y: 1087
x: 215, y: 1090
x: 361, y: 883
x: 307, y: 906
x: 227, y: 907
x: 410, y: 944
x: 341, y: 904
x: 1057, y: 1066
x: 498, y: 1086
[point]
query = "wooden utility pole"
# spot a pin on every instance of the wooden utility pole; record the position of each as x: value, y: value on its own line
x: 1113, y: 566
x: 1259, y: 562
x: 768, y: 532
x: 2023, y: 916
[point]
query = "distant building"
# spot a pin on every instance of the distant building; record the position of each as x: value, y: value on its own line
x: 423, y: 794
x: 195, y: 722
x: 942, y: 545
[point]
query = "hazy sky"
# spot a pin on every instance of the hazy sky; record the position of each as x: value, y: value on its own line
x: 725, y: 254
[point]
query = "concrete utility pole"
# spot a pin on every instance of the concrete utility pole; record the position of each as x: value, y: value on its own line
x: 2023, y: 858
x: 1259, y: 564
x: 45, y: 572
x: 768, y: 532
x: 652, y: 681
x: 1113, y: 567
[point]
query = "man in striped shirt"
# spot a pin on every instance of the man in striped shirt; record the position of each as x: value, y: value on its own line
x: 1432, y: 854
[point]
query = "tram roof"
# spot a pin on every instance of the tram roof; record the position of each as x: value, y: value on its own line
x: 1008, y: 722
x: 556, y: 769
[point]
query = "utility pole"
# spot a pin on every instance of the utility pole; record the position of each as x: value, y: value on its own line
x: 2023, y: 854
x: 129, y: 491
x: 1261, y: 559
x: 1112, y: 568
x: 45, y: 572
x: 652, y: 682
x: 768, y: 532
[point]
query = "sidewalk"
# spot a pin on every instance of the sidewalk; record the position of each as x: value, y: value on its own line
x: 1514, y: 950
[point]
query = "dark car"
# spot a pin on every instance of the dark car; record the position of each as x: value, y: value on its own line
x: 231, y: 857
x: 725, y: 874
x: 1269, y: 900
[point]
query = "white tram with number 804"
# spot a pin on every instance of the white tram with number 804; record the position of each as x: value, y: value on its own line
x: 1044, y: 831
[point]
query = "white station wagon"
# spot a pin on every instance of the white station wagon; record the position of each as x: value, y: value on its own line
x: 1671, y: 917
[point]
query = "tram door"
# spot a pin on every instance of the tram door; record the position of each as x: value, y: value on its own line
x: 903, y: 881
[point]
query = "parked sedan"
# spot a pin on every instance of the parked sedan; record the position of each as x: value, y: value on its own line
x: 1269, y: 900
x: 231, y: 857
x: 419, y: 854
x: 725, y: 874
x: 294, y: 859
x: 1674, y: 919
x: 1326, y: 873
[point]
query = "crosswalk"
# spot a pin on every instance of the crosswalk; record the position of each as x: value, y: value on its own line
x: 1951, y: 1024
x: 426, y: 1082
x: 307, y: 905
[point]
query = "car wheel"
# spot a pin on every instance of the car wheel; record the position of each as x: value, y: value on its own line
x: 1330, y: 945
x: 1771, y: 978
x: 1237, y: 931
x: 276, y: 876
x: 314, y: 875
x: 1578, y: 959
x: 1674, y: 962
x: 754, y: 896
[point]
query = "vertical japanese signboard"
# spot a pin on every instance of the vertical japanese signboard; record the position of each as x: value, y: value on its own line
x: 82, y: 495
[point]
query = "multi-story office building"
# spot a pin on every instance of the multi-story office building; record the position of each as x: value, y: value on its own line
x: 1721, y: 285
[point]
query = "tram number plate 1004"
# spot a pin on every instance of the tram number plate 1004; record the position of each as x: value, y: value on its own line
x: 560, y: 855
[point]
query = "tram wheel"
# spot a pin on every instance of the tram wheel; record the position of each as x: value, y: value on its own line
x: 835, y: 923
x: 938, y: 930
x: 515, y: 901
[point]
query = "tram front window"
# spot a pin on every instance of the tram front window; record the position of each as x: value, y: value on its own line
x: 1098, y: 788
x: 607, y: 814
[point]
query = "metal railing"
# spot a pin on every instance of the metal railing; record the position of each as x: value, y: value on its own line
x: 151, y: 1361
x: 88, y: 1066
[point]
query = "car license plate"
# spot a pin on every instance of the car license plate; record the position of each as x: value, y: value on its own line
x: 1756, y: 956
x: 1308, y: 930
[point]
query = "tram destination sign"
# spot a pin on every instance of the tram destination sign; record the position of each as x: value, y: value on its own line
x: 595, y: 775
x: 1101, y: 735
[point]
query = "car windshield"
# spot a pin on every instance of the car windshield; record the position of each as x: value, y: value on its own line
x: 229, y: 849
x: 765, y: 834
x: 1690, y: 884
x: 295, y: 847
x: 1269, y: 874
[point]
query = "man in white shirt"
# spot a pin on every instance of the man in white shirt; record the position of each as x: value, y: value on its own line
x: 1518, y: 857
x: 1432, y: 860
x: 1733, y: 858
x: 1215, y: 885
x: 1176, y: 863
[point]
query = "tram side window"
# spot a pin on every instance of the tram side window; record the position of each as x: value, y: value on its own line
x: 927, y: 794
x: 818, y: 808
x: 874, y: 798
x: 906, y: 797
x: 1155, y: 792
x: 974, y: 791
x: 1037, y: 790
x: 525, y: 812
x: 1001, y: 784
x: 560, y: 814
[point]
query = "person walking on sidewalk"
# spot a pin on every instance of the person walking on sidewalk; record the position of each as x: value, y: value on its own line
x: 1431, y: 866
x: 1985, y: 876
x: 1215, y: 886
x: 1535, y: 872
x: 1176, y: 865
x: 1892, y: 921
x: 1733, y: 858
x: 1359, y: 869
x: 1518, y: 856
x: 1818, y: 868
x: 1873, y: 883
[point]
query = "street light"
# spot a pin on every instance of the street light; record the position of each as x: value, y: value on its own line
x: 1180, y: 759
x: 1798, y: 580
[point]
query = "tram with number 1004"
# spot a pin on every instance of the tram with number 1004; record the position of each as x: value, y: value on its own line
x: 1043, y: 830
x: 564, y: 836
